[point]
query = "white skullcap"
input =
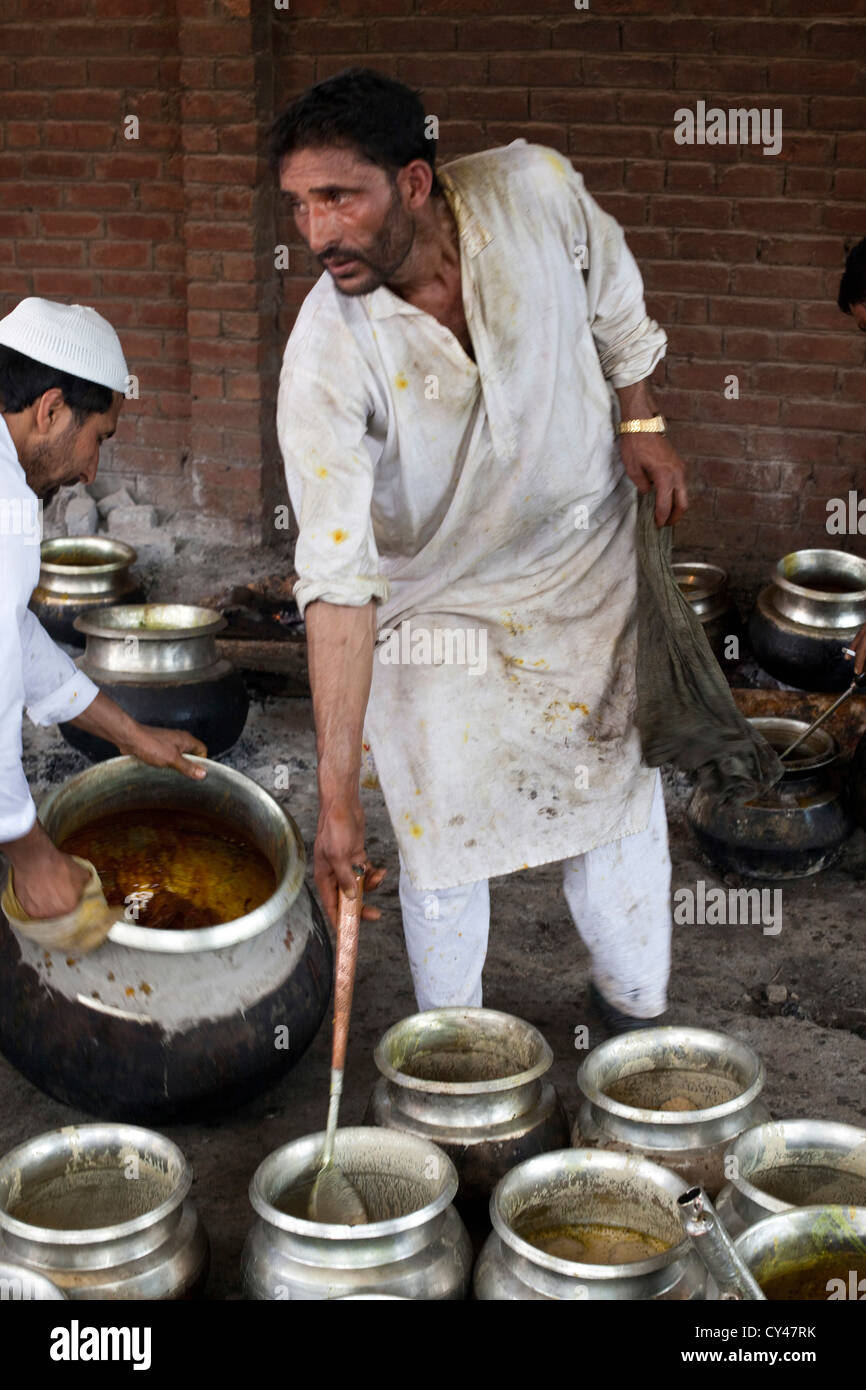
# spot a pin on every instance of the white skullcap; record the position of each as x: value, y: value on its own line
x: 70, y: 337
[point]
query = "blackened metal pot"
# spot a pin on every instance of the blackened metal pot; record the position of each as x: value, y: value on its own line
x: 159, y: 662
x: 706, y: 588
x: 805, y: 618
x: 117, y: 1196
x: 158, y: 1024
x: 78, y: 575
x: 794, y: 829
x: 472, y: 1081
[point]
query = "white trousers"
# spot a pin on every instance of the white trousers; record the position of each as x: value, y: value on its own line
x: 619, y: 897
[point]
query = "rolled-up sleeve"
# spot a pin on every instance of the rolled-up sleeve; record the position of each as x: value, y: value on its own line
x: 34, y: 673
x: 54, y: 688
x: 629, y: 343
x: 322, y: 413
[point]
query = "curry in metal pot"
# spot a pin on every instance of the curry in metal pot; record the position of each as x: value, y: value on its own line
x: 174, y: 869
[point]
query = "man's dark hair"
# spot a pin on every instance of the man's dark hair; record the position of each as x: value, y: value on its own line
x: 360, y: 109
x: 23, y: 381
x: 852, y: 287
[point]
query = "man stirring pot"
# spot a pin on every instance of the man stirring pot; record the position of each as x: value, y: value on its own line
x: 447, y: 416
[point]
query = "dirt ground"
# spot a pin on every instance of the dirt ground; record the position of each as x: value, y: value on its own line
x: 813, y: 1044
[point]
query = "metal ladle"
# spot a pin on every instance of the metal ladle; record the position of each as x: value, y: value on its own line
x: 856, y: 683
x: 715, y: 1247
x: 334, y: 1199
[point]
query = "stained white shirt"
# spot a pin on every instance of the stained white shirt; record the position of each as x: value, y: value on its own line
x: 34, y: 672
x: 486, y: 498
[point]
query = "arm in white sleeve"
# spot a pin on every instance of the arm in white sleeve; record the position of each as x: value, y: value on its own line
x: 322, y: 414
x: 628, y: 342
x: 17, y: 810
x: 54, y: 688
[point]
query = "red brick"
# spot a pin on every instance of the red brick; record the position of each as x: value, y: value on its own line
x: 66, y: 284
x: 553, y: 105
x: 778, y: 216
x: 50, y: 253
x: 117, y: 255
x: 71, y: 224
x: 52, y: 165
x: 489, y: 35
x: 797, y: 281
x: 101, y: 196
x: 831, y: 415
x: 585, y: 34
x: 690, y: 212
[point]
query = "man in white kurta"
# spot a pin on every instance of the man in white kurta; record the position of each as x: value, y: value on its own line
x: 487, y: 499
x: 53, y: 356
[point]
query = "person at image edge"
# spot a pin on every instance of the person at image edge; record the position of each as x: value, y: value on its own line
x: 62, y: 379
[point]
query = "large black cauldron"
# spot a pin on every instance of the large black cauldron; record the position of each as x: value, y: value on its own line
x: 158, y: 1025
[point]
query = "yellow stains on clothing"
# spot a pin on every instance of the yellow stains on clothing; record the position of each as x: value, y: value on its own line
x: 401, y: 382
x: 511, y: 624
x: 321, y: 472
x: 540, y: 662
x: 338, y: 536
x: 555, y: 163
x: 416, y: 832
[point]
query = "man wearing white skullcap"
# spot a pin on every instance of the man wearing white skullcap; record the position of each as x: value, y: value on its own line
x: 62, y: 383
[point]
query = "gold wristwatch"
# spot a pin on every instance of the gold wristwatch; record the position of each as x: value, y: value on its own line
x: 655, y: 425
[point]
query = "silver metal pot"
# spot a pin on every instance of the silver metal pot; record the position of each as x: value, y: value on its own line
x: 20, y: 1284
x: 578, y: 1188
x: 627, y: 1080
x: 167, y: 1023
x: 473, y: 1082
x: 792, y: 830
x: 706, y: 588
x: 804, y: 618
x: 828, y: 1240
x: 414, y: 1246
x: 159, y: 662
x: 791, y: 1163
x: 77, y: 575
x: 124, y: 1226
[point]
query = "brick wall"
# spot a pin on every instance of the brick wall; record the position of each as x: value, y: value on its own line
x: 173, y: 235
x: 741, y: 253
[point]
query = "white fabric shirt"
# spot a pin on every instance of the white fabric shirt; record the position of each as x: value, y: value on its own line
x: 485, y: 496
x: 34, y: 672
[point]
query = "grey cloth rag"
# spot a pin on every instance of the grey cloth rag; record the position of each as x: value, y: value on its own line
x: 686, y: 714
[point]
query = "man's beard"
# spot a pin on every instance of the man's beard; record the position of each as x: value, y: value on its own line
x: 384, y: 258
x: 52, y: 466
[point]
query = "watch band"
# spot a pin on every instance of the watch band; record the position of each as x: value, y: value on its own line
x: 655, y: 425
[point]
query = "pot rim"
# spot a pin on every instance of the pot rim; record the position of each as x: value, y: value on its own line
x: 795, y: 1221
x: 801, y: 762
x: 604, y: 1159
x: 109, y: 1134
x: 701, y: 569
x: 794, y: 1129
x: 671, y: 1035
x: 818, y: 595
x: 223, y: 934
x: 462, y: 1088
x: 124, y: 555
x: 372, y: 1230
x: 97, y: 624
